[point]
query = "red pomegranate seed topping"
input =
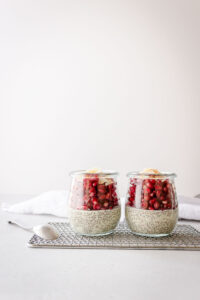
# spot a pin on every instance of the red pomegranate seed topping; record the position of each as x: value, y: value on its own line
x: 89, y: 194
x: 156, y: 194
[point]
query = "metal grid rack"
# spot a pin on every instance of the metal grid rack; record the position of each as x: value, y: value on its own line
x: 184, y: 237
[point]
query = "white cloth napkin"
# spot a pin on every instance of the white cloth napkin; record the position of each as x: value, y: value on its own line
x: 189, y: 208
x: 55, y: 203
x: 51, y: 203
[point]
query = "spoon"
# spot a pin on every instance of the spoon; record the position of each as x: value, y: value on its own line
x: 44, y: 231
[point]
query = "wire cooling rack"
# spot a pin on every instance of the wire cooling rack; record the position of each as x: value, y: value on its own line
x: 184, y: 237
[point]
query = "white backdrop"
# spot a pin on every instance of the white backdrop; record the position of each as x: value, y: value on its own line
x: 103, y: 83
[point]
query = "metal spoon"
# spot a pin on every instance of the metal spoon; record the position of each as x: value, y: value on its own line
x: 44, y: 231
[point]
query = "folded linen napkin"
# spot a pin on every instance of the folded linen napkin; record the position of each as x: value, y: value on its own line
x: 55, y: 203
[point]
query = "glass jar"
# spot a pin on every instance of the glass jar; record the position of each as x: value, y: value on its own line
x: 151, y: 203
x: 94, y: 202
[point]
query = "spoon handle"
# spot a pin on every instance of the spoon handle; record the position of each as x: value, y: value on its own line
x: 20, y: 225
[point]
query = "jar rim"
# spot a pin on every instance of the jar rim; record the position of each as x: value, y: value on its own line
x: 159, y: 175
x: 100, y: 173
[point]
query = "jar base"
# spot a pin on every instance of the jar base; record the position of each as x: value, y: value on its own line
x: 94, y: 234
x: 151, y: 235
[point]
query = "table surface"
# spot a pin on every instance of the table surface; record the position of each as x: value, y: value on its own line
x: 58, y: 274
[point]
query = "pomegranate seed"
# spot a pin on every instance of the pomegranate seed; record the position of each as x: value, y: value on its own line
x: 106, y: 204
x: 165, y: 189
x: 149, y: 185
x: 101, y: 197
x: 158, y: 194
x: 94, y: 200
x: 111, y: 187
x: 153, y: 181
x: 131, y: 199
x: 85, y: 198
x: 92, y: 190
x: 108, y: 196
x: 156, y: 205
x: 146, y: 198
x: 89, y: 204
x: 169, y: 205
x: 97, y: 206
x: 158, y: 187
x: 114, y: 194
x: 147, y: 191
x: 145, y: 205
x: 164, y: 202
x: 151, y: 202
x: 132, y: 188
x: 101, y: 188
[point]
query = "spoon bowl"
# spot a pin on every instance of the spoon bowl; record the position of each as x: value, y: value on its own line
x: 44, y: 231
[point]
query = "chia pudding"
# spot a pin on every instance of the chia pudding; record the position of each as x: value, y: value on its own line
x: 151, y: 207
x: 149, y: 222
x: 94, y: 222
x: 94, y: 202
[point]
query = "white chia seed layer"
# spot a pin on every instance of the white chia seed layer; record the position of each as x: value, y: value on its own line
x: 94, y: 222
x: 151, y: 221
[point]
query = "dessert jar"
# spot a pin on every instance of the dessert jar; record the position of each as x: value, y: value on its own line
x: 94, y: 207
x: 151, y: 203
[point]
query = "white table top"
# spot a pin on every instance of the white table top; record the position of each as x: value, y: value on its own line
x: 58, y: 274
